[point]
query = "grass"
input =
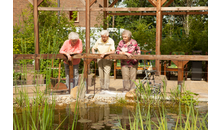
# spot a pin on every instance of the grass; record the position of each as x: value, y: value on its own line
x: 188, y: 122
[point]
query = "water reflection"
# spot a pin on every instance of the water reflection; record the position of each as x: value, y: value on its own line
x: 113, y: 116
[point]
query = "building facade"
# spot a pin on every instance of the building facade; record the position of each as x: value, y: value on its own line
x: 95, y: 17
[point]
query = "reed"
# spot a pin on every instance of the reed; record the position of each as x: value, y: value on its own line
x: 35, y: 112
x: 192, y: 120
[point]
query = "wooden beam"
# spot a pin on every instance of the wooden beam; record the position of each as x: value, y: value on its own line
x: 153, y: 2
x: 122, y: 9
x: 166, y: 5
x: 112, y: 56
x: 163, y: 13
x: 113, y: 3
x: 125, y: 9
x: 92, y: 2
x: 83, y: 1
x: 60, y: 9
x: 151, y: 9
x: 184, y: 8
x: 71, y: 74
x: 105, y: 15
x: 163, y: 1
x: 180, y: 73
x: 158, y: 34
x: 36, y: 35
x: 87, y: 18
x: 38, y: 2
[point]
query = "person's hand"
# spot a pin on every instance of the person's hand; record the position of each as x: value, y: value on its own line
x: 103, y: 55
x: 68, y: 56
x: 71, y: 53
x: 129, y: 55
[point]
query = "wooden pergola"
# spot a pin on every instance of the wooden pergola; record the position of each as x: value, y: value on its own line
x: 160, y: 11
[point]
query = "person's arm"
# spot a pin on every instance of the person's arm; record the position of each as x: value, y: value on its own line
x: 63, y: 50
x: 94, y: 47
x: 78, y: 48
x: 93, y: 50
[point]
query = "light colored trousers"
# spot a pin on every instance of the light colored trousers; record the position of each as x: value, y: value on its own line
x: 129, y: 75
x: 104, y: 66
x: 75, y: 75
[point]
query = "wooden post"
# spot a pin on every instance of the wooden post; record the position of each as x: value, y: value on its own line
x: 105, y: 16
x: 70, y: 74
x: 87, y: 42
x: 158, y: 34
x: 180, y: 73
x: 36, y: 34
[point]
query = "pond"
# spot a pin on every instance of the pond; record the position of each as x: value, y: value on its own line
x: 118, y: 116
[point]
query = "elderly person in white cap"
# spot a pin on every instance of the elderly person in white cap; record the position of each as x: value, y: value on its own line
x: 128, y: 46
x: 72, y: 46
x: 105, y: 45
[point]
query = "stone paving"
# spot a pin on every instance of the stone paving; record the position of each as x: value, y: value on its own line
x: 199, y: 87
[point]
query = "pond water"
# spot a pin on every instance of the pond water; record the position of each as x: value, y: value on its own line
x: 112, y: 116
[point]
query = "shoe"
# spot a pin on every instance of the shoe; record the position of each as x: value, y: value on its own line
x: 109, y: 92
x: 102, y: 92
x: 124, y: 92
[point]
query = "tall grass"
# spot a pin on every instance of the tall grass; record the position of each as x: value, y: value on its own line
x: 34, y: 112
x: 192, y: 120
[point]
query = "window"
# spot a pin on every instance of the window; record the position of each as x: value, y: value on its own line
x: 74, y: 13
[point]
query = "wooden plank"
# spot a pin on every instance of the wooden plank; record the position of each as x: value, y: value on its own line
x: 151, y: 9
x: 92, y: 2
x: 158, y: 34
x: 112, y: 56
x: 163, y: 1
x: 180, y: 73
x: 184, y: 8
x: 123, y: 9
x: 71, y: 76
x: 87, y: 18
x: 166, y: 5
x: 163, y: 13
x: 83, y: 1
x: 38, y: 2
x: 113, y: 3
x: 60, y: 9
x: 105, y: 16
x: 153, y: 2
x: 36, y: 35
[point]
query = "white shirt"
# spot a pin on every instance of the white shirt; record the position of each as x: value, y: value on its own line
x: 104, y: 47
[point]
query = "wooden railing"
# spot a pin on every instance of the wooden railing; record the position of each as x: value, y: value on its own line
x: 87, y: 58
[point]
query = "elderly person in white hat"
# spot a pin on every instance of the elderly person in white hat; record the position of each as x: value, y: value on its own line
x: 72, y: 46
x: 129, y: 47
x: 104, y: 45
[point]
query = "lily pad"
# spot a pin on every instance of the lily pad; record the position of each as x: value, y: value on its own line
x: 171, y: 114
x: 127, y: 117
x: 175, y: 117
x: 115, y: 127
x: 108, y: 124
x: 84, y: 121
x: 113, y: 115
x: 97, y: 127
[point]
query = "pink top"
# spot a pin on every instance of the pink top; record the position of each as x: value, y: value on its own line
x: 77, y: 48
x: 131, y: 48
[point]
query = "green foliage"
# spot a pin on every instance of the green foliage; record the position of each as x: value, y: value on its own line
x: 186, y: 97
x: 144, y: 34
x: 53, y: 31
